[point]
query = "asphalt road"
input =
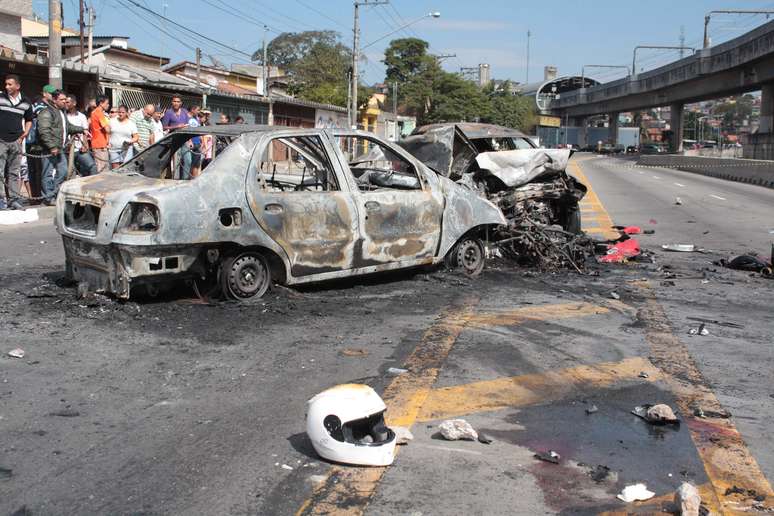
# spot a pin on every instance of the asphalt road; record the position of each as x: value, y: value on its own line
x: 170, y: 406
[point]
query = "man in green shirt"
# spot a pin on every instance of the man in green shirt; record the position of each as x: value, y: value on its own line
x: 143, y: 119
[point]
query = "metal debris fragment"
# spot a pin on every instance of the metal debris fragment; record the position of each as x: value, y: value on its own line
x: 548, y: 456
x: 16, y: 353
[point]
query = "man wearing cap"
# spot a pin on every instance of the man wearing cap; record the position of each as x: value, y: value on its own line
x: 15, y: 123
x: 53, y: 128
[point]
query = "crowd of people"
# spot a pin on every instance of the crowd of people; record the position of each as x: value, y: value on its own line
x: 65, y: 140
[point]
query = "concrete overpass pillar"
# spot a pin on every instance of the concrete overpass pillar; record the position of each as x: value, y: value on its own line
x: 676, y: 126
x: 612, y: 124
x: 583, y: 132
x: 767, y: 109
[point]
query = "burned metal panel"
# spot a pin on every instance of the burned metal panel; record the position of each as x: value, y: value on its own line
x: 464, y: 210
x: 518, y: 167
x: 434, y: 148
x: 474, y: 130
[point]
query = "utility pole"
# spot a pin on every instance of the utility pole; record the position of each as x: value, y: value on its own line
x: 198, y: 68
x: 91, y: 33
x: 395, y: 98
x: 356, y: 56
x: 54, y: 44
x: 80, y: 25
x: 529, y: 35
x: 265, y: 74
x: 682, y: 41
x: 708, y: 16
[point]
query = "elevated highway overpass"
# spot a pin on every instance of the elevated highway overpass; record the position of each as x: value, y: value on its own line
x: 740, y: 65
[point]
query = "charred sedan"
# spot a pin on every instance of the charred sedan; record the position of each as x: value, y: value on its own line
x: 273, y: 204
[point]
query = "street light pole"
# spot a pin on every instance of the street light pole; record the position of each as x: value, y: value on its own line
x: 708, y: 16
x: 658, y: 47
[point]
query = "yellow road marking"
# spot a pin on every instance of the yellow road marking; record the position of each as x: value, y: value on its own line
x: 727, y: 460
x: 347, y: 490
x: 536, y: 313
x: 591, y: 200
x: 664, y: 503
x: 530, y: 389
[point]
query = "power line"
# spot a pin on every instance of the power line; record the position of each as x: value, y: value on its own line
x: 241, y: 16
x: 323, y: 14
x: 279, y: 13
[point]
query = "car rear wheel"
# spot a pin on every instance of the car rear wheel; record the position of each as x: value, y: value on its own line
x: 470, y: 256
x: 245, y: 277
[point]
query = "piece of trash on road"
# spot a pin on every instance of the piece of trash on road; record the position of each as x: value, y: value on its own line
x: 16, y: 353
x: 701, y: 330
x: 353, y: 352
x: 714, y: 321
x: 621, y: 251
x: 636, y: 493
x: 396, y: 371
x: 688, y: 500
x: 679, y: 248
x: 643, y: 374
x: 5, y: 473
x: 678, y: 201
x: 599, y: 473
x: 592, y: 409
x: 346, y: 424
x: 659, y: 414
x: 289, y: 468
x: 65, y: 413
x: 649, y: 232
x: 549, y: 456
x: 456, y: 429
x: 745, y: 262
x: 484, y: 439
x: 402, y: 435
x: 615, y: 295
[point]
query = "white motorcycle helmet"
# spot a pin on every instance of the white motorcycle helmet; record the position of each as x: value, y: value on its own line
x: 346, y: 424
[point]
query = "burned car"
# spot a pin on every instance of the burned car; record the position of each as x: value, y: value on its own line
x: 273, y: 204
x: 529, y: 184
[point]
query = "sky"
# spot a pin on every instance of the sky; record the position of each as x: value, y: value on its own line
x: 564, y: 33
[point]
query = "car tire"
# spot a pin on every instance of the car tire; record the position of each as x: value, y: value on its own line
x: 573, y: 221
x: 245, y: 277
x: 470, y: 256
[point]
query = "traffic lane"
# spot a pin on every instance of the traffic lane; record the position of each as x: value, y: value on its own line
x: 177, y: 407
x: 34, y: 243
x: 714, y: 214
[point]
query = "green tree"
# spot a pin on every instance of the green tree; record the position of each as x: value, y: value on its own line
x: 405, y: 58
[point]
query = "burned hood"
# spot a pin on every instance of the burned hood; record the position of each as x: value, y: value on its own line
x: 518, y: 167
x: 101, y: 187
x: 434, y: 147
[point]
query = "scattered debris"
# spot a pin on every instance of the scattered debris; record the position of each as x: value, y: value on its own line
x: 289, y: 468
x: 402, y: 435
x: 16, y: 353
x: 599, y: 473
x: 318, y: 479
x: 455, y: 429
x: 629, y: 230
x: 549, y: 456
x: 354, y: 352
x: 592, y: 409
x: 615, y: 295
x: 65, y: 413
x: 396, y: 371
x: 701, y: 330
x: 636, y: 492
x: 643, y: 374
x: 649, y: 232
x: 745, y: 262
x: 714, y: 321
x: 621, y: 251
x: 5, y: 473
x: 722, y: 414
x: 679, y: 248
x: 688, y: 500
x: 678, y: 201
x: 747, y: 493
x: 484, y: 439
x: 656, y: 414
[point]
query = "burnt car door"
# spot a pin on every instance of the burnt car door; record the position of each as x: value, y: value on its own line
x: 400, y: 213
x: 298, y: 200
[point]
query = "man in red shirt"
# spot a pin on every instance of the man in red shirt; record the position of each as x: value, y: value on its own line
x: 99, y: 127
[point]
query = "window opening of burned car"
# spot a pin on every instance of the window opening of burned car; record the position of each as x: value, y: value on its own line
x: 296, y: 164
x: 502, y: 144
x: 165, y: 159
x: 377, y: 167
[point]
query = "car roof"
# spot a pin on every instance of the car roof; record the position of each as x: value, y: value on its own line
x: 474, y: 131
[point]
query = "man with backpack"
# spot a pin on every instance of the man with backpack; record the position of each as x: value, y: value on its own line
x: 15, y: 123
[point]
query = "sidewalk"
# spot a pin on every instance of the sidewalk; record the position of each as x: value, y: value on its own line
x: 31, y: 214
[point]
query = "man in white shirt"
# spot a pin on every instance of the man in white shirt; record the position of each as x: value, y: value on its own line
x: 84, y: 162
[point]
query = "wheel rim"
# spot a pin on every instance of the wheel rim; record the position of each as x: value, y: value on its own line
x: 470, y: 257
x: 248, y: 276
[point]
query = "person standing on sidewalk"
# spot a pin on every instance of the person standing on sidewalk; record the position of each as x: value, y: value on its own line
x: 53, y: 129
x: 83, y: 160
x: 176, y: 116
x: 99, y: 127
x: 15, y: 122
x: 123, y: 137
x: 143, y: 120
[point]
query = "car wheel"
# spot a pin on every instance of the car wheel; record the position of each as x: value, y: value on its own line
x: 245, y: 277
x: 573, y: 222
x: 470, y: 256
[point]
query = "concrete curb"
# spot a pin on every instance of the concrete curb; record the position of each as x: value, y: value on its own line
x: 17, y: 217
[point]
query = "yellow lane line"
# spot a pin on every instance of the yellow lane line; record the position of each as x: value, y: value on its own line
x: 664, y: 504
x: 348, y: 490
x: 535, y: 313
x: 530, y: 389
x: 591, y: 200
x: 727, y: 460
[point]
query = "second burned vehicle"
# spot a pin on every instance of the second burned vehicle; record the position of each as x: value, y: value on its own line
x: 529, y: 184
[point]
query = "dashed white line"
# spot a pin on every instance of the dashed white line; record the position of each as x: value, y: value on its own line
x: 718, y: 197
x: 679, y: 184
